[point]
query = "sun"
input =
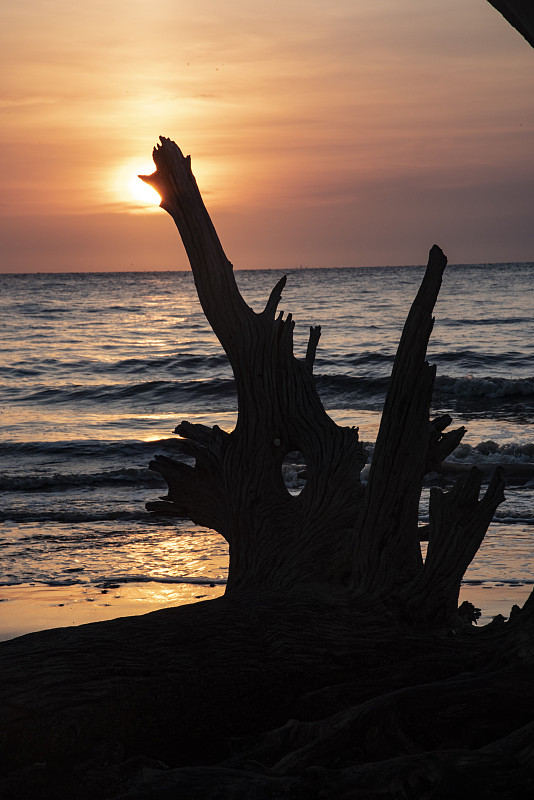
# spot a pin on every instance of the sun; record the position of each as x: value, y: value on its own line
x: 141, y: 191
x: 131, y: 189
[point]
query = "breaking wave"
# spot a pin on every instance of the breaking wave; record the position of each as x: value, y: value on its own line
x: 59, y: 482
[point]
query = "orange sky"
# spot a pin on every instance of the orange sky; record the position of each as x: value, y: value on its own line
x: 339, y: 133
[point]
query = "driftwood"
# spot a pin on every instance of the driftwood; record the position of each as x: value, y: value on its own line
x: 334, y: 538
x: 337, y: 664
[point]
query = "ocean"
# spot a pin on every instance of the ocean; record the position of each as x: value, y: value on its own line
x: 97, y: 369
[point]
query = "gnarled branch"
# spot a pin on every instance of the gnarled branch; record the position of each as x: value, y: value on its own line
x: 334, y: 534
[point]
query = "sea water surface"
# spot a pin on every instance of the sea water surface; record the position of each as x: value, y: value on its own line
x: 97, y: 369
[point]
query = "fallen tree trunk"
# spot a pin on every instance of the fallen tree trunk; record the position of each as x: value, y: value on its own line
x: 331, y: 616
x: 192, y: 699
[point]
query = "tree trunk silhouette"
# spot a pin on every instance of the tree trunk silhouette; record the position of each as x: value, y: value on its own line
x: 520, y: 14
x: 337, y: 664
x: 334, y: 537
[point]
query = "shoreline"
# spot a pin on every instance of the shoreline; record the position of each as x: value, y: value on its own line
x: 27, y: 608
x: 493, y: 600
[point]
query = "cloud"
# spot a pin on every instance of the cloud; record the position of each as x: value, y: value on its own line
x: 286, y: 108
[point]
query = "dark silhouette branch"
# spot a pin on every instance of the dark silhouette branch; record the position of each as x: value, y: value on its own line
x: 334, y: 535
x: 520, y: 14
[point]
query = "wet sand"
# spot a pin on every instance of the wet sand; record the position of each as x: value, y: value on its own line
x: 27, y: 608
x: 493, y: 600
x: 33, y: 607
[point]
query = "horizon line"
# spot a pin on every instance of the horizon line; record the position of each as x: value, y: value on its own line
x: 264, y: 269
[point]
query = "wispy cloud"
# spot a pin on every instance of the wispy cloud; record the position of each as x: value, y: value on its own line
x: 297, y: 106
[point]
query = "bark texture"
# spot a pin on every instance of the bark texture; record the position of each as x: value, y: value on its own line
x: 335, y: 537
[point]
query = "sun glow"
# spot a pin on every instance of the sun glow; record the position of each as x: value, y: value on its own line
x: 132, y: 189
x: 142, y: 192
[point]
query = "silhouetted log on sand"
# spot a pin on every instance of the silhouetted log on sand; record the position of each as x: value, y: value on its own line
x: 348, y: 703
x: 338, y: 663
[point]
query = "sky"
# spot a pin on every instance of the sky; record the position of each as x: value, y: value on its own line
x: 321, y: 132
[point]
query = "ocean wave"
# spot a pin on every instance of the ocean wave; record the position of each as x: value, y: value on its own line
x: 466, y: 386
x: 114, y: 581
x: 492, y: 452
x: 515, y: 459
x: 60, y: 515
x: 469, y: 361
x: 484, y: 321
x: 513, y: 519
x: 14, y: 371
x: 187, y: 364
x: 487, y: 451
x: 489, y: 387
x: 88, y: 448
x: 507, y: 517
x: 62, y: 481
x: 342, y: 389
x: 153, y: 391
x: 357, y: 360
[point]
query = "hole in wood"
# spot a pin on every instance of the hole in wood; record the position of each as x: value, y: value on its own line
x: 294, y: 472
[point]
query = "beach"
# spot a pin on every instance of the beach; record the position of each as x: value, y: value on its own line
x: 98, y: 369
x: 28, y: 608
x: 116, y: 699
